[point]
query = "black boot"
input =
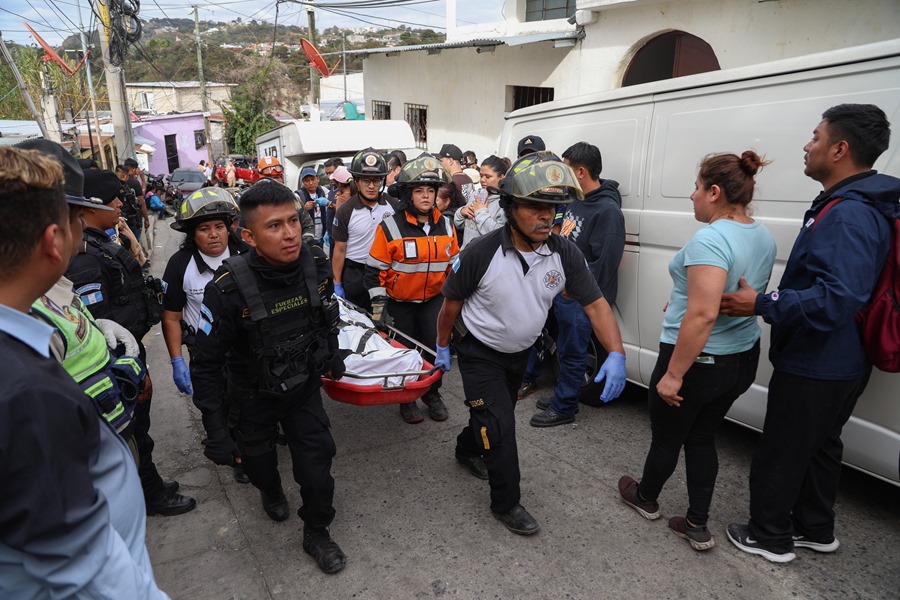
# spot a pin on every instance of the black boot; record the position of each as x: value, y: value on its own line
x: 275, y: 503
x: 318, y: 544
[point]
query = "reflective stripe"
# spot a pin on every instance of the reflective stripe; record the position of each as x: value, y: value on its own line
x: 430, y: 267
x: 484, y: 438
x: 392, y: 229
x: 374, y: 262
x: 99, y: 387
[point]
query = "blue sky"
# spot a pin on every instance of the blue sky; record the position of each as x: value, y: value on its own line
x: 54, y: 20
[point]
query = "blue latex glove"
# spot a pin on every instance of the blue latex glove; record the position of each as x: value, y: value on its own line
x: 339, y: 291
x: 181, y: 375
x: 443, y: 358
x: 321, y: 201
x: 613, y: 369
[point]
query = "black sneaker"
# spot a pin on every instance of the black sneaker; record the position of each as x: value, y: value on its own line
x: 740, y: 536
x: 475, y: 465
x: 801, y: 541
x: 525, y: 389
x: 169, y: 505
x: 437, y: 410
x: 550, y: 418
x: 628, y: 489
x: 699, y: 537
x: 542, y: 403
x: 327, y: 554
x: 518, y: 521
x: 411, y: 413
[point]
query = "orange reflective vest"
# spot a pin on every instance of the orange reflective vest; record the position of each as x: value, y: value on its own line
x: 411, y: 265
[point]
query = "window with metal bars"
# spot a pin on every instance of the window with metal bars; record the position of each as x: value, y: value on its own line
x: 381, y: 111
x: 545, y: 10
x: 417, y: 117
x: 520, y: 96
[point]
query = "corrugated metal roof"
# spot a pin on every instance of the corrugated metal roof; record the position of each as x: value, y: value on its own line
x: 513, y: 40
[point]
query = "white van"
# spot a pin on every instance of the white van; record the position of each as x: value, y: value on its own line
x: 309, y: 143
x: 653, y: 137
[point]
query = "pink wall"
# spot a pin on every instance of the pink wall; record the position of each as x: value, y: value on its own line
x: 183, y: 127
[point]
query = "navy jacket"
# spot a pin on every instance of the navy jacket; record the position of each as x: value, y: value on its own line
x: 829, y: 277
x: 597, y: 226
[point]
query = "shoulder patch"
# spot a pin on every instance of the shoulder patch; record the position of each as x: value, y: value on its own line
x: 456, y: 264
x: 90, y: 294
x: 206, y: 320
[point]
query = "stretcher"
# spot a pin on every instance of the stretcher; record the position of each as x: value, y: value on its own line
x: 385, y: 366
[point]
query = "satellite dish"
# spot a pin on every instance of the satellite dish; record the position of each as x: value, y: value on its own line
x: 315, y: 59
x: 50, y: 53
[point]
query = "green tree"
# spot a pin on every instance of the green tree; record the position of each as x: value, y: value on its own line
x: 247, y: 118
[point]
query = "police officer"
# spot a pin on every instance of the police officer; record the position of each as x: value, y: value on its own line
x: 409, y: 260
x: 83, y: 344
x: 354, y: 226
x: 498, y: 293
x: 268, y: 316
x: 111, y: 285
x: 204, y: 217
x: 270, y: 168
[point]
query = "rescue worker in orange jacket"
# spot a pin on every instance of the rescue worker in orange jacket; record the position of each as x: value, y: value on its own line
x: 408, y: 263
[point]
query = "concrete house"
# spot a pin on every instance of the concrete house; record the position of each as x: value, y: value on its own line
x: 461, y: 90
x: 164, y: 97
x: 179, y: 140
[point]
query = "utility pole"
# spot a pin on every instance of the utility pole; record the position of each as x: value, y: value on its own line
x: 50, y: 106
x: 344, y: 61
x: 204, y: 102
x: 313, y: 74
x: 90, y: 85
x: 115, y: 85
x: 28, y: 101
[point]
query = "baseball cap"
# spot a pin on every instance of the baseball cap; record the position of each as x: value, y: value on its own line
x: 341, y: 175
x: 102, y: 184
x: 450, y: 151
x: 72, y: 173
x: 474, y: 175
x: 308, y: 172
x: 530, y: 143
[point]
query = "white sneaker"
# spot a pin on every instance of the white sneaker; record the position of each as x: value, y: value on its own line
x: 801, y: 541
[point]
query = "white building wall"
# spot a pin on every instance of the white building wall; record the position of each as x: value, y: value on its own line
x: 466, y: 91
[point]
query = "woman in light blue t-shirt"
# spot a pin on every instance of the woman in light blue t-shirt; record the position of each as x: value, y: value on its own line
x: 705, y: 360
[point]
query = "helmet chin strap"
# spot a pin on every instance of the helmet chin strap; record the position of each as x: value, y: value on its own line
x: 533, y: 243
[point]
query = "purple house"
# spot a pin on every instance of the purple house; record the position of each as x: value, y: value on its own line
x: 180, y: 140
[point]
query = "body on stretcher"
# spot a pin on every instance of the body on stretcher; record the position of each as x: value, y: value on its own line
x: 380, y: 368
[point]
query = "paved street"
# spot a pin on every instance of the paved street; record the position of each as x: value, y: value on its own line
x: 414, y: 524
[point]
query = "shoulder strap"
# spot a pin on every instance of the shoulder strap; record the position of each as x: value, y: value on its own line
x: 825, y: 210
x: 249, y: 288
x: 311, y: 275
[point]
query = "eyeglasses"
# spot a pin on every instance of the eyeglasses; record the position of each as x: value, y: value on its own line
x: 369, y: 181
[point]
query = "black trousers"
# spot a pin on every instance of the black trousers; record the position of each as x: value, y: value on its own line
x: 708, y: 390
x: 796, y: 466
x: 419, y: 321
x: 354, y: 288
x: 308, y: 433
x: 151, y: 482
x: 490, y: 381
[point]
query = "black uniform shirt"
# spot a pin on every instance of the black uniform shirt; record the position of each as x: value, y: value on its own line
x: 222, y: 337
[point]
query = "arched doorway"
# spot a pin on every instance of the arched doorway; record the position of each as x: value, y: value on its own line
x: 672, y: 54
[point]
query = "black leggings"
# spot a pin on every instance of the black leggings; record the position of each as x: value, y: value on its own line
x: 709, y: 390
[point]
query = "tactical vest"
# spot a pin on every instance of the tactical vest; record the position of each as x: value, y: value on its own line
x: 288, y: 334
x: 138, y: 302
x: 87, y: 359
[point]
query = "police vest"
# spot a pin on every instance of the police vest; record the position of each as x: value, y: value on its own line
x: 87, y: 359
x: 289, y: 325
x: 138, y: 302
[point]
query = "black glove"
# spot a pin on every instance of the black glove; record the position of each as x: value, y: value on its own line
x: 219, y: 447
x: 337, y: 366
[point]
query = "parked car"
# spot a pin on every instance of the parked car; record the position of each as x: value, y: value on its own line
x: 185, y: 181
x: 245, y: 172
